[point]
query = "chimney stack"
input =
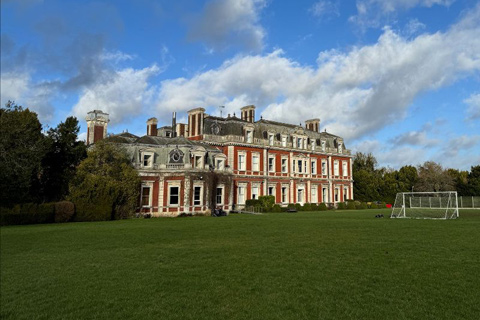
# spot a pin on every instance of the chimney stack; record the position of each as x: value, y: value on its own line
x: 313, y: 125
x: 248, y: 113
x: 97, y: 122
x: 174, y: 124
x: 152, y: 127
x: 195, y: 123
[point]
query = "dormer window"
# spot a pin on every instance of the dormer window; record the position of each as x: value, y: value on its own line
x: 249, y: 136
x: 284, y: 141
x: 147, y: 159
x: 198, y: 161
x: 220, y: 164
x: 324, y: 145
x: 299, y: 143
x: 340, y: 147
x: 270, y: 139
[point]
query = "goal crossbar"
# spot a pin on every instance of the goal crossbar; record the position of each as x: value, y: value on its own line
x: 426, y: 205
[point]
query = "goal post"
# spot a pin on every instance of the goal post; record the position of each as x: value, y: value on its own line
x: 426, y: 205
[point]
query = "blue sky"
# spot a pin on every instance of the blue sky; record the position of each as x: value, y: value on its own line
x: 398, y: 78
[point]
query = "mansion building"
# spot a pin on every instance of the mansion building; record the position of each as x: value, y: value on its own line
x: 224, y: 161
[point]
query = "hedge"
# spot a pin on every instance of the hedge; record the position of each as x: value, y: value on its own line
x: 28, y: 213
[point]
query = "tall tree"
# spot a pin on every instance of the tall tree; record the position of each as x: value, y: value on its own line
x: 366, y: 179
x: 22, y: 147
x: 105, y: 186
x: 432, y: 177
x: 407, y: 177
x: 59, y: 164
x: 473, y: 184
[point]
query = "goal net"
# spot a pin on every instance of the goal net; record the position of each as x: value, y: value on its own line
x: 426, y: 205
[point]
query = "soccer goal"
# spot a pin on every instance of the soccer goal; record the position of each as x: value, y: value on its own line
x: 426, y: 205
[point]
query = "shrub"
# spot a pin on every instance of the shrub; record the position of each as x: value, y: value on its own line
x: 351, y: 205
x: 341, y: 206
x: 361, y: 206
x: 291, y: 206
x: 322, y: 207
x: 27, y: 213
x: 373, y: 206
x: 267, y: 203
x: 307, y: 207
x: 314, y: 207
x: 298, y: 207
x: 64, y: 211
x: 252, y: 203
x: 46, y: 213
x: 276, y: 208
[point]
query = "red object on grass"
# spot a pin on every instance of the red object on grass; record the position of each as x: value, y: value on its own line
x: 389, y: 206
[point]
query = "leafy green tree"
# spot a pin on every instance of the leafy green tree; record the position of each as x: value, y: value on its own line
x: 473, y: 184
x: 460, y: 180
x: 432, y: 177
x: 407, y: 176
x: 105, y: 186
x: 22, y: 148
x: 64, y: 155
x: 366, y: 180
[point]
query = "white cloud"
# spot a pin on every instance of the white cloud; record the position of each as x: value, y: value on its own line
x: 414, y: 138
x: 116, y: 56
x: 223, y: 22
x: 473, y: 102
x: 13, y: 86
x: 325, y: 9
x: 371, y: 13
x: 18, y: 87
x: 355, y: 93
x: 122, y: 96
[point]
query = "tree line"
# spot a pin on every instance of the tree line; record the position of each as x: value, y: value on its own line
x: 38, y: 167
x: 372, y: 183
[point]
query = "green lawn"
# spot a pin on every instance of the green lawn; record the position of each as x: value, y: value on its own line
x: 322, y: 265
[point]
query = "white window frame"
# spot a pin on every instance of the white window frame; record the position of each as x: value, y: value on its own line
x: 324, y: 145
x: 170, y: 186
x: 150, y: 160
x: 272, y: 168
x: 345, y: 193
x: 324, y: 167
x: 314, y: 167
x: 336, y: 194
x: 314, y: 194
x: 313, y: 144
x: 257, y: 194
x: 220, y: 164
x: 284, y: 194
x: 222, y: 195
x: 284, y: 165
x: 336, y: 168
x: 344, y: 169
x: 256, y: 167
x: 299, y: 165
x: 301, y: 191
x: 325, y: 194
x: 200, y: 200
x: 198, y: 164
x: 284, y: 141
x: 270, y: 139
x: 340, y: 147
x: 149, y: 196
x: 249, y: 136
x: 241, y: 191
x: 299, y: 143
x: 274, y: 193
x: 244, y: 167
